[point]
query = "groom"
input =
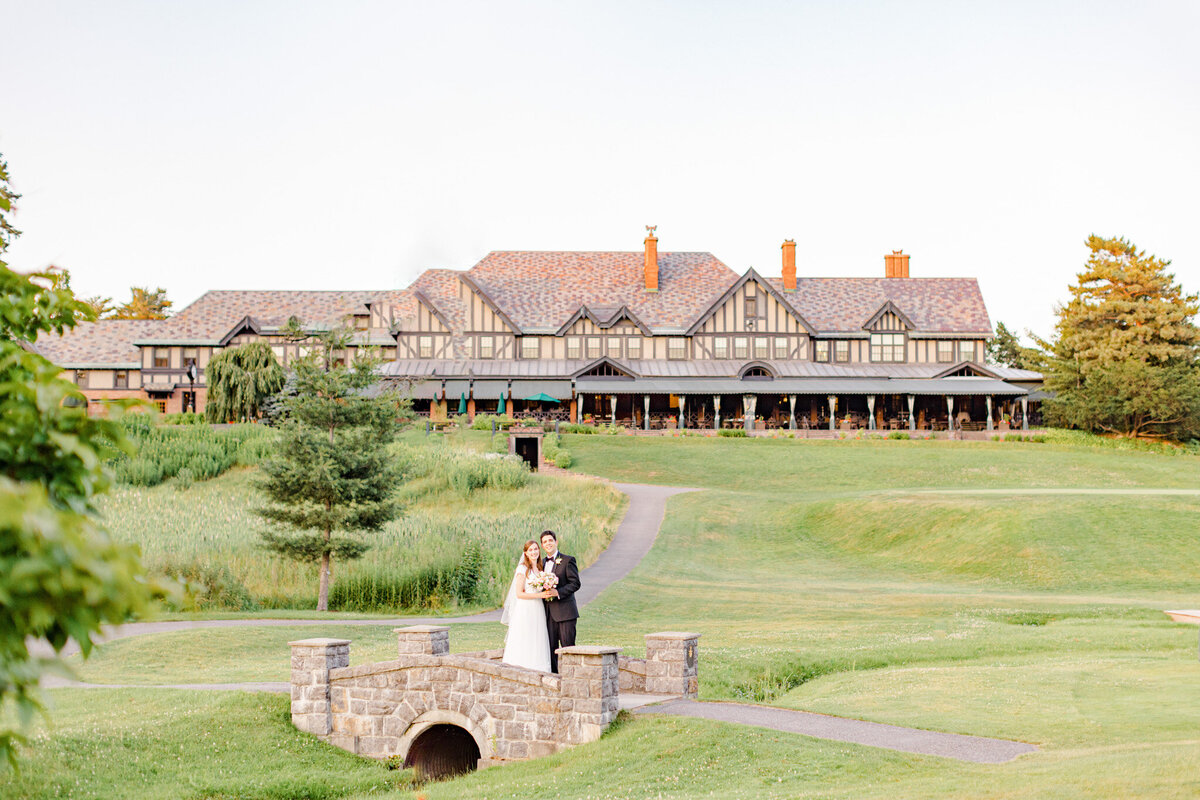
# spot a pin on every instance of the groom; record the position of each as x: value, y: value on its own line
x: 561, y: 611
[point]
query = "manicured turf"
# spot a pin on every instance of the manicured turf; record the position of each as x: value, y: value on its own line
x: 817, y: 585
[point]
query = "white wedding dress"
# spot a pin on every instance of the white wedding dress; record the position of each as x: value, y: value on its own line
x: 527, y: 643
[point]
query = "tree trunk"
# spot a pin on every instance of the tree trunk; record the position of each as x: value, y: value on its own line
x: 326, y: 570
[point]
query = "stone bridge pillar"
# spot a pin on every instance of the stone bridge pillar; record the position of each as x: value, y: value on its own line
x: 311, y: 661
x: 672, y: 663
x: 590, y: 689
x: 422, y: 640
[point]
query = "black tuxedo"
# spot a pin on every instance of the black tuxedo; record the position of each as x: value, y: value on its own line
x: 561, y: 611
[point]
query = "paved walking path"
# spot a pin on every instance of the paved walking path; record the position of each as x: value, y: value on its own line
x: 873, y: 734
x: 1065, y: 490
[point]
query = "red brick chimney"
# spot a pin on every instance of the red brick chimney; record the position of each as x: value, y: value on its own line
x: 895, y: 265
x: 789, y: 265
x: 651, y: 259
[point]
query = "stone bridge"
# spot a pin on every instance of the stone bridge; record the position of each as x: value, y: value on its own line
x: 445, y: 714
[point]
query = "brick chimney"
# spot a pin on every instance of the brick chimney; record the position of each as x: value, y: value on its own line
x: 789, y: 265
x: 651, y: 268
x: 895, y: 265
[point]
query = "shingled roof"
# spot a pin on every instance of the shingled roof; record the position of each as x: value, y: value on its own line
x: 540, y: 291
x: 935, y: 305
x: 212, y: 316
x: 107, y: 343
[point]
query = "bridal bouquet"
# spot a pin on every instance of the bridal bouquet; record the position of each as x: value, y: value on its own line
x: 541, y: 581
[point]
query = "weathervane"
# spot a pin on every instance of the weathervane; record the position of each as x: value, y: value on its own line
x: 650, y: 229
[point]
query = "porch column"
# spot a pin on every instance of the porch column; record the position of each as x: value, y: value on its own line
x: 870, y: 412
x: 989, y: 409
x: 912, y: 420
x: 832, y: 411
x: 682, y: 403
x: 748, y: 411
x: 717, y: 411
x: 578, y: 409
x: 792, y: 405
x: 646, y: 412
x: 950, y: 414
x: 612, y: 405
x: 1025, y: 413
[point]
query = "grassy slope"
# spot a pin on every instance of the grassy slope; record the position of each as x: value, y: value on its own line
x: 1030, y: 618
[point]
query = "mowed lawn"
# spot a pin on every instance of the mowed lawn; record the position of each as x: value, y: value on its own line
x: 822, y: 577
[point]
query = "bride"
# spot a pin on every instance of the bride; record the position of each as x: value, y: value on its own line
x: 527, y: 643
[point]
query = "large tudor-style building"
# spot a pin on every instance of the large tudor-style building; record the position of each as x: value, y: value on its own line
x: 645, y: 338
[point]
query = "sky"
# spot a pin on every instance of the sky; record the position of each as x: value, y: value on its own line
x: 352, y: 145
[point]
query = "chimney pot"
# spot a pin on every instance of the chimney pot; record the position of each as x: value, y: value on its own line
x: 895, y: 265
x: 651, y: 268
x: 789, y: 265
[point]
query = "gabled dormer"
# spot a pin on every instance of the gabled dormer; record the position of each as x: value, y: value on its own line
x: 246, y: 325
x: 606, y: 368
x: 751, y: 305
x: 887, y: 318
x: 602, y: 318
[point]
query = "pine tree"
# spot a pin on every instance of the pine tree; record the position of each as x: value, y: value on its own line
x: 1126, y: 358
x: 333, y: 475
x: 144, y: 304
x: 1006, y: 349
x: 240, y: 380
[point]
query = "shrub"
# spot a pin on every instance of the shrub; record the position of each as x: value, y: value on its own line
x: 563, y: 460
x: 186, y: 418
x: 483, y: 422
x: 574, y: 427
x: 733, y: 433
x: 209, y: 586
x: 898, y: 435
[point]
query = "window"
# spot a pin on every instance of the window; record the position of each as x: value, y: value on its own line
x: 820, y: 351
x: 887, y: 347
x: 161, y: 405
x: 121, y: 381
x: 677, y: 348
x: 387, y: 353
x: 425, y: 347
x: 751, y: 312
x: 741, y: 347
x: 162, y: 358
x: 966, y: 351
x: 593, y: 347
x: 720, y: 347
x: 189, y: 357
x: 945, y: 351
x: 762, y: 347
x: 573, y: 347
x: 530, y: 347
x: 841, y: 352
x: 633, y: 347
x: 614, y: 347
x: 81, y: 379
x: 487, y: 347
x: 361, y: 322
x: 781, y: 347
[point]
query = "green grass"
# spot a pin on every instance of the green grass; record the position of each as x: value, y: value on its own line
x: 820, y: 582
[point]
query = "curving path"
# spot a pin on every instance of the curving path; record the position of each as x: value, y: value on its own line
x: 632, y: 541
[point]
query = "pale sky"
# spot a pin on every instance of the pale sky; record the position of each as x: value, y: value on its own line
x: 351, y: 145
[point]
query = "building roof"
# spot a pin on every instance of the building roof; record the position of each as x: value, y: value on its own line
x: 540, y: 291
x: 935, y: 305
x: 212, y: 316
x: 108, y: 343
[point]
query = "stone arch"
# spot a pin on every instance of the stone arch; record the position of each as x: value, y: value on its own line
x: 428, y: 720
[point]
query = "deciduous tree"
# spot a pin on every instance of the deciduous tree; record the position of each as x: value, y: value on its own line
x: 144, y: 304
x: 333, y: 477
x: 1126, y: 357
x: 240, y: 380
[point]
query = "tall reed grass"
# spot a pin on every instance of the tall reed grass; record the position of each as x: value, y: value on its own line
x: 199, y: 451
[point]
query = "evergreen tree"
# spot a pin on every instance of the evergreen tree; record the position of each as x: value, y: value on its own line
x: 333, y: 476
x: 1006, y: 349
x: 144, y: 304
x: 240, y: 380
x: 102, y: 307
x: 1126, y: 358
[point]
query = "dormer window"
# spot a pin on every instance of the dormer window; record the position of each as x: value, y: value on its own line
x: 677, y: 348
x: 887, y: 347
x: 362, y: 322
x: 633, y: 347
x: 487, y: 347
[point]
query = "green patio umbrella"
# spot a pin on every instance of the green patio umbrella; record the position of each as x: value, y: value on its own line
x: 502, y: 406
x: 542, y: 398
x: 462, y: 403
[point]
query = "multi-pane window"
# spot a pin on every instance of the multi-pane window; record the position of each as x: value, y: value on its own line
x: 425, y: 347
x: 161, y: 405
x: 945, y: 351
x: 820, y: 351
x: 677, y: 348
x: 573, y: 349
x: 190, y: 357
x: 81, y: 379
x: 387, y: 353
x: 781, y: 347
x: 751, y: 312
x: 720, y: 347
x: 887, y: 347
x: 841, y: 351
x: 966, y: 351
x: 121, y: 380
x: 762, y: 347
x: 593, y: 347
x: 162, y: 357
x: 487, y: 347
x: 362, y: 322
x: 530, y: 347
x: 614, y: 347
x: 741, y: 347
x: 633, y: 347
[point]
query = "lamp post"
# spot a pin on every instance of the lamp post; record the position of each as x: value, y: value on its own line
x: 192, y: 374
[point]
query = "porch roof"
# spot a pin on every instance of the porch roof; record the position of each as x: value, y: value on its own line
x: 824, y: 386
